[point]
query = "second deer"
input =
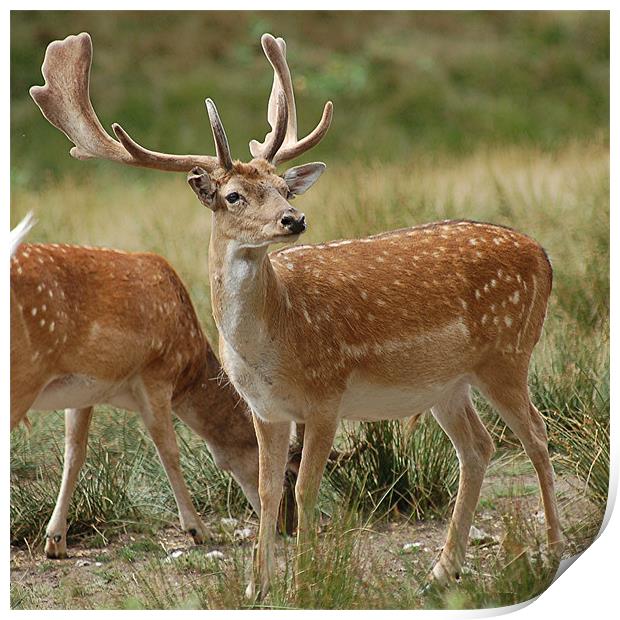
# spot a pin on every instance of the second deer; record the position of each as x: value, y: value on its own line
x: 95, y: 325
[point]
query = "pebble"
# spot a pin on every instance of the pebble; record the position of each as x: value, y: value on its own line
x: 229, y: 522
x: 176, y: 554
x: 215, y: 555
x: 480, y: 537
x: 411, y: 547
x: 243, y: 534
x: 83, y: 563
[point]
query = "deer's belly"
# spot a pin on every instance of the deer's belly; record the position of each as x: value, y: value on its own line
x: 76, y: 391
x: 368, y: 401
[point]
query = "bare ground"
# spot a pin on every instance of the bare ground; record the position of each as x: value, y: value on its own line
x: 118, y: 574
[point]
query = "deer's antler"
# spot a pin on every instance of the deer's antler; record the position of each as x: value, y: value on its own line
x: 291, y: 147
x: 65, y: 102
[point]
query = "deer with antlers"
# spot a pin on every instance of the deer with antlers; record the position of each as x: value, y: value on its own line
x: 377, y: 328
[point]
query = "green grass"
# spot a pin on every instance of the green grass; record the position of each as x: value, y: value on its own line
x: 393, y: 470
x: 560, y: 197
x: 402, y: 83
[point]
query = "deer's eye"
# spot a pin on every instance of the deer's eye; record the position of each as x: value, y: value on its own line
x: 232, y: 197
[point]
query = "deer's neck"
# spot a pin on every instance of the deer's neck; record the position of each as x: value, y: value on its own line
x: 247, y: 297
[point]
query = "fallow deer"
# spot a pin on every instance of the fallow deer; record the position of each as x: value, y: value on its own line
x: 382, y: 327
x: 94, y: 325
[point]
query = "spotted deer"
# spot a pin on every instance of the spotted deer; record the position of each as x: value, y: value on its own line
x: 382, y: 327
x: 92, y: 326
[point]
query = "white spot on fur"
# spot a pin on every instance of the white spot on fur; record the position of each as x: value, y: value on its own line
x: 514, y: 298
x: 34, y: 311
x: 52, y: 326
x: 508, y: 321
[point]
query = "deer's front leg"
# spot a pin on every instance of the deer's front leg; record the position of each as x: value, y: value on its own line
x: 318, y: 439
x: 77, y: 422
x: 273, y: 440
x: 157, y: 417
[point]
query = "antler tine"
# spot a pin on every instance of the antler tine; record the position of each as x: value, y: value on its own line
x: 65, y: 102
x: 275, y: 50
x: 219, y: 136
x: 275, y: 138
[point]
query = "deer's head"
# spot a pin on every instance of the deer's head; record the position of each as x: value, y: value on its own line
x: 251, y: 201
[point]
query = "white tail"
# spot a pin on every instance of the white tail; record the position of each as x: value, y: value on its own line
x: 19, y: 233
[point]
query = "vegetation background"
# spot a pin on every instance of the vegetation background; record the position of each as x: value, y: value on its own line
x: 498, y: 116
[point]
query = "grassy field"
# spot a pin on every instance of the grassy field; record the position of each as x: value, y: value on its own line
x: 493, y: 116
x: 121, y: 532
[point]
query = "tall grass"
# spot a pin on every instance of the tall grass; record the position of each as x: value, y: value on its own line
x: 121, y: 487
x: 392, y: 469
x: 561, y: 198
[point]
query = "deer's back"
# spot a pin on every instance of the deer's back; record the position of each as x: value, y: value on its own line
x: 441, y: 297
x: 103, y: 312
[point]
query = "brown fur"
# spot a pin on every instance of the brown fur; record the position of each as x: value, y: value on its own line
x: 313, y: 333
x: 115, y: 316
x: 401, y: 285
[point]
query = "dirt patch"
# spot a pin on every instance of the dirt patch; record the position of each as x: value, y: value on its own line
x: 110, y: 577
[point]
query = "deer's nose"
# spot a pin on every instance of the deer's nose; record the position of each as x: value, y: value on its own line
x: 296, y: 224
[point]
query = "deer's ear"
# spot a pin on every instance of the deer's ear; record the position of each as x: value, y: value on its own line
x: 301, y: 178
x: 200, y: 181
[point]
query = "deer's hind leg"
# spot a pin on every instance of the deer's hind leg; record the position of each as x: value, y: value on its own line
x: 474, y: 447
x: 505, y: 386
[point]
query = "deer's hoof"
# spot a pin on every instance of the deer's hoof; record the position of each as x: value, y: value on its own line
x: 199, y: 534
x: 56, y: 547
